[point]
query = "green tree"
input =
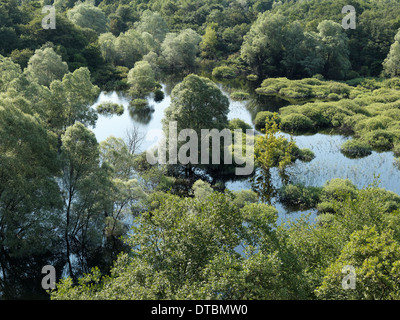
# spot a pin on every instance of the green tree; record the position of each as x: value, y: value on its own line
x: 181, y: 247
x: 107, y: 47
x: 193, y: 98
x: 82, y: 189
x: 129, y: 48
x: 209, y: 43
x: 180, y: 50
x: 71, y: 99
x: 45, y: 66
x: 263, y: 45
x: 271, y: 150
x: 141, y: 79
x: 86, y: 15
x: 375, y: 258
x: 29, y: 200
x: 8, y: 72
x: 153, y: 23
x: 190, y: 100
x: 335, y: 49
x: 392, y: 61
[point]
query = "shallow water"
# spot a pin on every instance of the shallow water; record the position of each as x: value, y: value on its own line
x: 329, y: 162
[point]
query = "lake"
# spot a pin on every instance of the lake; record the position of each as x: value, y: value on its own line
x: 329, y: 162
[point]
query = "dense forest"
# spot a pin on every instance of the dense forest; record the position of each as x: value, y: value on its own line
x: 115, y: 226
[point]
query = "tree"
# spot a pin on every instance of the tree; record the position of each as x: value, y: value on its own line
x: 263, y: 45
x: 295, y: 51
x: 83, y: 183
x: 107, y: 47
x: 335, y: 49
x: 209, y: 43
x: 153, y: 23
x: 45, y: 66
x: 184, y: 248
x: 86, y: 15
x: 271, y: 151
x: 8, y: 72
x: 29, y: 200
x: 190, y: 100
x: 392, y: 61
x: 123, y: 195
x: 375, y: 258
x: 71, y: 99
x: 193, y: 98
x: 130, y: 48
x: 141, y: 79
x: 180, y: 50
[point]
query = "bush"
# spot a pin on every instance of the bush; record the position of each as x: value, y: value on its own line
x: 372, y: 124
x: 306, y: 155
x: 299, y: 196
x: 356, y: 149
x: 158, y: 95
x: 239, y: 124
x: 252, y: 77
x: 109, y: 108
x: 224, y: 72
x: 381, y: 140
x: 335, y: 189
x: 333, y: 96
x: 139, y: 103
x: 239, y: 95
x: 261, y: 117
x: 296, y: 123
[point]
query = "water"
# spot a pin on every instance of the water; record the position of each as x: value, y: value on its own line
x: 329, y: 162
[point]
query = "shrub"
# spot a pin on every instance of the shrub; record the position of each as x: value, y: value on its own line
x: 335, y: 189
x: 381, y: 140
x: 299, y: 196
x: 333, y: 96
x: 306, y: 155
x: 318, y: 77
x: 392, y: 113
x: 239, y: 95
x: 252, y: 77
x: 158, y: 95
x: 356, y: 149
x: 109, y: 108
x: 351, y: 121
x: 296, y: 123
x: 370, y: 124
x: 139, y: 103
x: 224, y: 72
x: 239, y: 124
x: 353, y: 75
x: 261, y: 117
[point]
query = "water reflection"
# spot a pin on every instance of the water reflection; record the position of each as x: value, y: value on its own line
x: 329, y: 162
x: 142, y: 115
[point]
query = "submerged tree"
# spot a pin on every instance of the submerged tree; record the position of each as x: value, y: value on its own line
x: 191, y: 99
x: 271, y: 151
x: 141, y: 79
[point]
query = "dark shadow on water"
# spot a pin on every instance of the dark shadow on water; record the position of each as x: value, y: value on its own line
x: 141, y: 115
